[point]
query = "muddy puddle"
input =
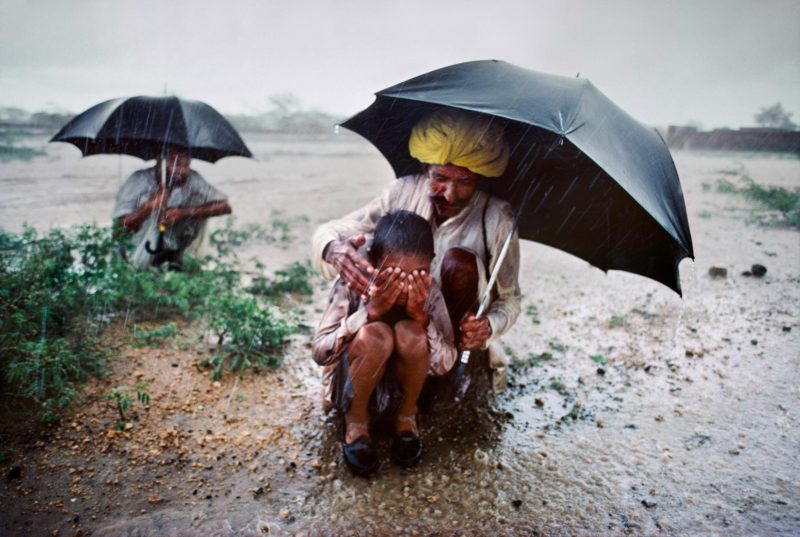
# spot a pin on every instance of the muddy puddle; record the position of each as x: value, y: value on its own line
x: 627, y: 411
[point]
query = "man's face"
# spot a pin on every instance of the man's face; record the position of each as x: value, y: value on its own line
x: 451, y: 189
x: 178, y: 161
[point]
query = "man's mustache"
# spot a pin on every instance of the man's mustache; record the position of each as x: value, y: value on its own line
x: 441, y: 200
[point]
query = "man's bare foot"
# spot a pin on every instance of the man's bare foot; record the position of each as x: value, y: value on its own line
x: 354, y: 430
x: 406, y: 424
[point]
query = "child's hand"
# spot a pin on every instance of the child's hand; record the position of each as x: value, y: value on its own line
x: 419, y: 284
x: 384, y: 292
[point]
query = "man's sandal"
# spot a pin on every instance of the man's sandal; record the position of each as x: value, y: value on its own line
x: 407, y: 446
x: 360, y: 456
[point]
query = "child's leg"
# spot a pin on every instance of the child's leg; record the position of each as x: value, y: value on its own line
x: 368, y: 353
x: 411, y: 349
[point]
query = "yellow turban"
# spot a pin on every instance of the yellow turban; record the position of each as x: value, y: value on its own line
x: 469, y: 141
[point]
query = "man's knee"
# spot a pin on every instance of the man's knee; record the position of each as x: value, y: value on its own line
x: 375, y: 340
x: 411, y: 339
x: 460, y: 269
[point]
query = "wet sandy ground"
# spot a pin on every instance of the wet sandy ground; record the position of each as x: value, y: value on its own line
x: 685, y: 421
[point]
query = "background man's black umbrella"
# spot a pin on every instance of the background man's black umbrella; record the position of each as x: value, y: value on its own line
x: 602, y: 186
x: 145, y: 126
x: 584, y: 176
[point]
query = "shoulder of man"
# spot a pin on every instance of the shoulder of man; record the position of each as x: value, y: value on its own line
x: 499, y: 210
x: 141, y: 176
x: 137, y: 182
x: 205, y: 191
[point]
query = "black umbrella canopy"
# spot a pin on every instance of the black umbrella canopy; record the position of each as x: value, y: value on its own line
x: 601, y: 185
x: 143, y: 126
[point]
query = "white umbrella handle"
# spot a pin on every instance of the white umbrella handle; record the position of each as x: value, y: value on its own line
x: 492, y: 279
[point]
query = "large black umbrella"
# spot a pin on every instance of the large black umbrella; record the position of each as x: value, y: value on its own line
x: 143, y: 126
x: 585, y: 176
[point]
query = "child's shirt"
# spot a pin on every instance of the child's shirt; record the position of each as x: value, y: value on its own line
x: 346, y: 314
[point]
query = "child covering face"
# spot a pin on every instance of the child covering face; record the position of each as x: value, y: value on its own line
x: 379, y: 348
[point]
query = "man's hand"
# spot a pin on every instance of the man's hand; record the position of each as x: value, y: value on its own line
x: 474, y: 332
x: 353, y: 268
x: 383, y: 294
x: 170, y: 217
x: 418, y: 287
x: 159, y: 199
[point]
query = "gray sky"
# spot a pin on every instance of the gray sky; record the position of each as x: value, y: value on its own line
x: 664, y: 61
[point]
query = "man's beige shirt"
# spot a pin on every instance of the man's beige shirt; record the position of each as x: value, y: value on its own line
x: 465, y: 230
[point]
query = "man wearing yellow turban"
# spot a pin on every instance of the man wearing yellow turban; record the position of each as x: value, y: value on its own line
x: 458, y: 150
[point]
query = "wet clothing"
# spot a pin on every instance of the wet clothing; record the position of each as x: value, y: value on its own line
x: 184, y: 235
x: 341, y: 321
x: 481, y: 228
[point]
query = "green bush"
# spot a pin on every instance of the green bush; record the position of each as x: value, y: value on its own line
x: 772, y: 198
x: 59, y: 289
x: 120, y: 399
x: 294, y: 279
x: 155, y: 336
x: 247, y: 334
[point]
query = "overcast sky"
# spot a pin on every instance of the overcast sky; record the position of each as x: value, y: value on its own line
x: 716, y: 62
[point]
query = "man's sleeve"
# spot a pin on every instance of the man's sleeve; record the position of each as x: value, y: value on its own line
x: 129, y: 195
x: 337, y: 326
x: 201, y: 192
x: 504, y: 310
x: 362, y: 220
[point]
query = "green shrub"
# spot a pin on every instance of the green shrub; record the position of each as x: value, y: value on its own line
x: 154, y: 337
x: 120, y: 397
x: 295, y: 279
x: 246, y: 333
x: 772, y: 198
x: 59, y: 289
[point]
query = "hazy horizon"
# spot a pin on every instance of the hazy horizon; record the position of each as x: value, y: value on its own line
x: 713, y: 62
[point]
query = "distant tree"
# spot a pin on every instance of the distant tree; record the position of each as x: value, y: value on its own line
x: 776, y: 117
x: 285, y: 103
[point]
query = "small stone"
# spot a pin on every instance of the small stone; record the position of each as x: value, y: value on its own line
x: 649, y: 504
x: 517, y: 504
x: 284, y: 514
x: 539, y: 402
x: 659, y: 418
x: 481, y: 456
x: 601, y: 371
x: 718, y: 272
x: 754, y: 341
x: 758, y: 270
x: 15, y: 473
x: 787, y: 329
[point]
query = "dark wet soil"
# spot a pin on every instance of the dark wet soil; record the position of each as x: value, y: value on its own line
x: 628, y: 411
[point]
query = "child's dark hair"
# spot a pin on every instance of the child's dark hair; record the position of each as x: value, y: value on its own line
x: 401, y: 232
